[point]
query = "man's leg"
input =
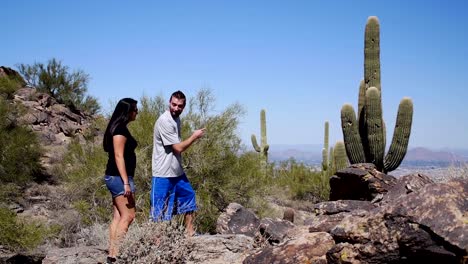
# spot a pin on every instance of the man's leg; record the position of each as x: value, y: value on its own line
x: 186, y: 203
x: 189, y: 223
x: 161, y: 199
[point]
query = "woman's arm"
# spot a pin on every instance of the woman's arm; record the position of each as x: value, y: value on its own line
x: 119, y: 146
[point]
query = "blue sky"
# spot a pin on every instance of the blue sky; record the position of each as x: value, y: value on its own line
x: 299, y: 60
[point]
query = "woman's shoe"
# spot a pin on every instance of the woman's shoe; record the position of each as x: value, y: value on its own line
x: 110, y: 260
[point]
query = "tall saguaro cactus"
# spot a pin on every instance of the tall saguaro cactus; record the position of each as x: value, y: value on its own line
x: 263, y: 147
x: 364, y: 135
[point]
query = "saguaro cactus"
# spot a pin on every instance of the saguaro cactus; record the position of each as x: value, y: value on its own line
x: 263, y: 147
x: 364, y: 135
x: 333, y: 158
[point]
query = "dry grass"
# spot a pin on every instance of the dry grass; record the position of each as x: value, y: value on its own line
x: 150, y: 242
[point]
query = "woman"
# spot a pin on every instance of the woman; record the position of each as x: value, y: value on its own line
x: 121, y: 164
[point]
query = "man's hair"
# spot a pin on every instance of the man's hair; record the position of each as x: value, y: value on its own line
x: 179, y: 95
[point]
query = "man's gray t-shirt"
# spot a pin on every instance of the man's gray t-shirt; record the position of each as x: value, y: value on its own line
x: 165, y: 162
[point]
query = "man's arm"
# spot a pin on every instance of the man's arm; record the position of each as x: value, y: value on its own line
x: 182, y: 146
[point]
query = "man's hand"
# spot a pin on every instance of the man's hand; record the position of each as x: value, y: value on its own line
x: 199, y: 133
x: 182, y: 146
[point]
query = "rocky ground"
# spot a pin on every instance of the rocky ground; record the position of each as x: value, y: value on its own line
x: 381, y: 219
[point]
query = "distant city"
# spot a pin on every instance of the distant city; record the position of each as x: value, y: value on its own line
x: 415, y: 157
x: 438, y: 164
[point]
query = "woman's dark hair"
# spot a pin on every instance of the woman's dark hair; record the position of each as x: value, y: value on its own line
x: 119, y: 117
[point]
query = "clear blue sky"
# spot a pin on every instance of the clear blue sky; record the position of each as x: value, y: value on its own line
x: 300, y: 60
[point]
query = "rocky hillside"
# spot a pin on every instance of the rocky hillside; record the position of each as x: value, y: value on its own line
x: 54, y: 123
x: 371, y: 217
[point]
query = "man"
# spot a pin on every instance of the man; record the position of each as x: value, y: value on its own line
x: 171, y: 191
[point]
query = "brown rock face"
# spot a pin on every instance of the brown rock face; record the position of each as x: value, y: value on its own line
x: 359, y: 182
x: 55, y: 124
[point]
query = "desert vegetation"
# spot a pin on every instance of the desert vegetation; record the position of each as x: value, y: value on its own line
x: 220, y: 168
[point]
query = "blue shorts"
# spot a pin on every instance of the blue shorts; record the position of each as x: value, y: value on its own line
x: 171, y: 196
x: 115, y: 185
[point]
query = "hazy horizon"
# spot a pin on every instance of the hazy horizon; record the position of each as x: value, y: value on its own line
x: 299, y: 60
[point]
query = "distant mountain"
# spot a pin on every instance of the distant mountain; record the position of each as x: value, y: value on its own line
x: 425, y: 154
x: 312, y: 153
x: 308, y: 153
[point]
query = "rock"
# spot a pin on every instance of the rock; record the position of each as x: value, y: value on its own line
x: 54, y: 123
x: 288, y: 215
x: 307, y: 248
x: 405, y: 185
x: 21, y: 258
x: 335, y: 207
x: 274, y: 230
x: 218, y: 249
x: 237, y: 220
x: 427, y: 225
x: 359, y: 182
x: 82, y: 255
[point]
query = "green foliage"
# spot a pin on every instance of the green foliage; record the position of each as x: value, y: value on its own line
x: 218, y: 172
x: 300, y: 181
x: 364, y: 135
x: 67, y: 87
x: 19, y: 235
x: 8, y: 87
x: 19, y: 150
x: 82, y: 171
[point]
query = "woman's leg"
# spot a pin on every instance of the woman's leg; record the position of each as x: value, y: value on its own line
x: 126, y: 209
x: 113, y: 231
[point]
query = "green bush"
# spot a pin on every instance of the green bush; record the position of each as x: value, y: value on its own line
x: 19, y: 235
x: 8, y: 87
x: 82, y: 171
x: 67, y: 87
x: 301, y: 182
x: 19, y: 151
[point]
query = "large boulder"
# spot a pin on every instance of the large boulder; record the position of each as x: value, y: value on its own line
x: 427, y: 225
x: 359, y: 182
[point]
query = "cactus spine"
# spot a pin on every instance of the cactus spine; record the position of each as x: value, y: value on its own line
x: 364, y: 136
x: 263, y: 147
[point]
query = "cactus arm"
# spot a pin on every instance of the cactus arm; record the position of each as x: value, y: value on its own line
x: 401, y: 135
x: 254, y: 143
x: 331, y: 162
x: 353, y: 142
x: 372, y: 53
x: 374, y: 127
x: 361, y: 101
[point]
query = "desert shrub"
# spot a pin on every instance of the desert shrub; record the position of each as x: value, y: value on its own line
x: 300, y: 181
x: 18, y: 234
x: 155, y: 243
x: 219, y: 169
x: 8, y: 87
x: 19, y: 151
x: 82, y: 170
x: 67, y: 87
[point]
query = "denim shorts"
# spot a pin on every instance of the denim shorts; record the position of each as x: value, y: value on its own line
x: 171, y: 196
x: 115, y: 185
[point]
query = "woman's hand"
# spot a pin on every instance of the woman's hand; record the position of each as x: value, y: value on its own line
x: 127, y: 190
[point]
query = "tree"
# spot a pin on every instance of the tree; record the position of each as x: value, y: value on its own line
x: 67, y: 87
